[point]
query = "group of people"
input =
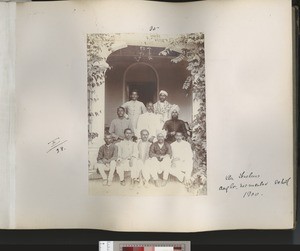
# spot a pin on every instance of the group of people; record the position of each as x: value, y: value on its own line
x: 148, y: 141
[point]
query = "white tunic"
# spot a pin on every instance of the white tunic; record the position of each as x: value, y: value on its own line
x: 149, y: 121
x: 134, y: 109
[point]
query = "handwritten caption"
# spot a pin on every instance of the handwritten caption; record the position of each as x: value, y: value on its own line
x: 57, y: 145
x: 250, y: 184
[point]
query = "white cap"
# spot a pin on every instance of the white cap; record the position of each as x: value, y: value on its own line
x: 163, y: 92
x: 162, y: 132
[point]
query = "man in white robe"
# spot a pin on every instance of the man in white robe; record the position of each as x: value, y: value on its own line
x: 162, y: 106
x: 150, y: 121
x: 182, y: 158
x: 143, y: 161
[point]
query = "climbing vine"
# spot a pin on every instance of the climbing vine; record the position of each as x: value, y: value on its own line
x: 98, y: 49
x: 191, y: 47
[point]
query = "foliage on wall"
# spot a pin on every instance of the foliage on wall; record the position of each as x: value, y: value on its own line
x: 98, y: 49
x: 192, y: 50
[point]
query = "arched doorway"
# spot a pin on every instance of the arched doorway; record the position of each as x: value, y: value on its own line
x: 143, y: 78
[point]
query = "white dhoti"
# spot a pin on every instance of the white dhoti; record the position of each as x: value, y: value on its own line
x: 181, y: 169
x: 111, y: 167
x: 124, y: 165
x: 148, y: 169
x: 158, y: 167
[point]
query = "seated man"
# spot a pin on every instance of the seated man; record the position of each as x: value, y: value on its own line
x: 143, y: 159
x: 160, y: 154
x: 150, y: 121
x: 106, y: 160
x: 119, y: 124
x: 182, y: 161
x: 127, y: 158
x: 174, y: 125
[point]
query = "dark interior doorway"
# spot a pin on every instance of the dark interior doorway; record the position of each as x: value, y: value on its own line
x: 146, y: 90
x: 141, y: 77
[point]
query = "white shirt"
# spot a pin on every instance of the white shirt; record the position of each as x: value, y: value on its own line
x: 143, y: 148
x: 149, y: 121
x: 182, y: 150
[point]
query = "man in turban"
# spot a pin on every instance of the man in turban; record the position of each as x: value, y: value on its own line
x: 162, y: 106
x: 174, y: 125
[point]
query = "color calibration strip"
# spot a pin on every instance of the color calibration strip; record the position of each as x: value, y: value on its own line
x: 152, y: 248
x: 144, y: 246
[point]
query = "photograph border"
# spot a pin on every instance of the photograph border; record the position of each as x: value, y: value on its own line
x: 190, y: 48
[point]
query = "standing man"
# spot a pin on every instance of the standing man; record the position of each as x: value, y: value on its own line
x: 162, y: 106
x: 174, y: 125
x: 182, y: 161
x: 106, y: 160
x: 127, y: 158
x: 150, y: 121
x: 119, y: 124
x: 143, y: 159
x: 161, y: 154
x: 134, y: 109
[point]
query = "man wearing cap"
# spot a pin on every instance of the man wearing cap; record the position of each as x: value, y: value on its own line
x: 160, y: 154
x: 134, y: 109
x: 162, y: 106
x: 150, y: 121
x: 174, y: 125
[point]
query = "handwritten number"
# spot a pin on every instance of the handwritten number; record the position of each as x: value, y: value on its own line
x: 153, y: 28
x: 56, y: 145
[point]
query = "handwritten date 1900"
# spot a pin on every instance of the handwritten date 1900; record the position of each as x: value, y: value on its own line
x: 250, y: 194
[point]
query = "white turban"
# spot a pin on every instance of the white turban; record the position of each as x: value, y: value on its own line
x: 175, y: 108
x: 163, y: 92
x: 162, y: 132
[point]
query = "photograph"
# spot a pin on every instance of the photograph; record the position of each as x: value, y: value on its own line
x: 146, y: 114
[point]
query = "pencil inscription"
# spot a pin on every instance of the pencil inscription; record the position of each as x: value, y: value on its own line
x: 56, y: 145
x: 250, y: 184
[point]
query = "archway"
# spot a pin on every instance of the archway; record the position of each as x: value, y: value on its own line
x: 143, y: 78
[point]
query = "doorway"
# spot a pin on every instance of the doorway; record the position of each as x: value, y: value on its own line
x: 142, y: 78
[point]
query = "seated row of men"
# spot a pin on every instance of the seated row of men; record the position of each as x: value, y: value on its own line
x: 145, y: 160
x: 154, y: 117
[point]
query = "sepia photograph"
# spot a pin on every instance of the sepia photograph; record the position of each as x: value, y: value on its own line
x: 146, y: 114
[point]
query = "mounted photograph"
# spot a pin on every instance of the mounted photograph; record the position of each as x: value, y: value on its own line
x: 146, y: 114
